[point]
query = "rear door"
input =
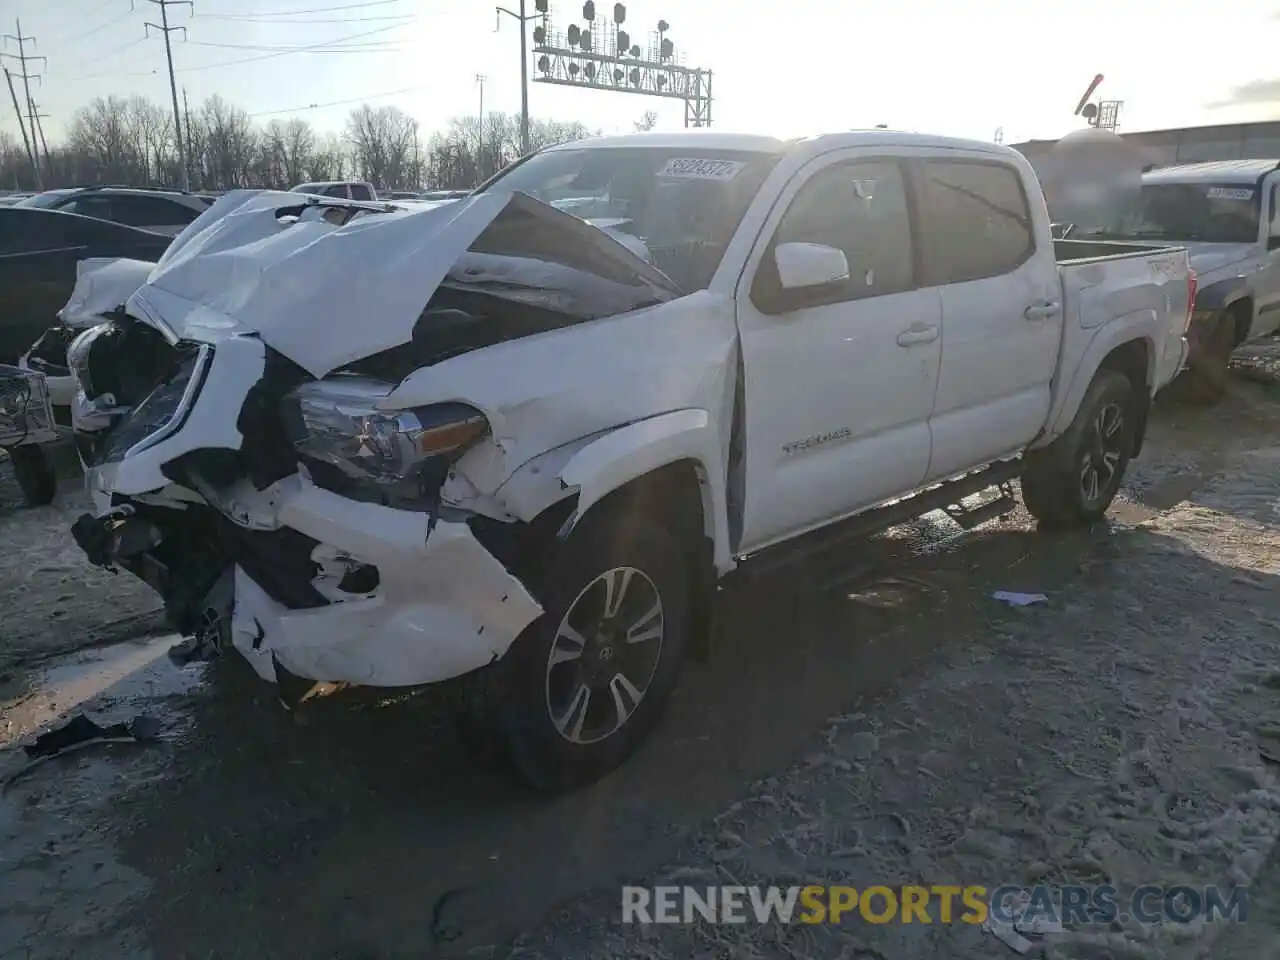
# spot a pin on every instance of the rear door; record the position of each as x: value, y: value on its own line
x: 840, y: 381
x: 993, y: 264
x: 38, y: 254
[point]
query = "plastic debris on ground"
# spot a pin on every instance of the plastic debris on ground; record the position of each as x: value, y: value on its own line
x: 1015, y: 599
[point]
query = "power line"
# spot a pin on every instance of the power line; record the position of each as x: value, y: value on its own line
x: 100, y: 27
x: 349, y: 6
x: 252, y: 19
x: 340, y: 103
x: 164, y: 28
x: 372, y: 47
x: 284, y: 53
x: 107, y: 56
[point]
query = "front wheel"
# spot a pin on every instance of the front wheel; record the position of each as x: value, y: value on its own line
x: 1074, y: 480
x: 37, y: 478
x: 588, y: 679
x: 1207, y: 371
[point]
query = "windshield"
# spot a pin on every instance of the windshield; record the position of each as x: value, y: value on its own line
x: 1195, y: 211
x: 678, y: 207
x: 46, y: 199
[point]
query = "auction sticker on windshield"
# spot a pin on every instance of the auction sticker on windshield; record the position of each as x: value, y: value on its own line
x: 693, y: 168
x: 1229, y: 193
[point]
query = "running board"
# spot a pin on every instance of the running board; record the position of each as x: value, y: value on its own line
x: 944, y: 496
x: 1001, y: 505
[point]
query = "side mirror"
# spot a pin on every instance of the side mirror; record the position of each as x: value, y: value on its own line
x: 804, y: 266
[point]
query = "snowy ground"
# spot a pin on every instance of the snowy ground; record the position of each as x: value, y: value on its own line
x: 880, y: 720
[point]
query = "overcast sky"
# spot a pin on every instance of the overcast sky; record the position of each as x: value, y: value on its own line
x: 961, y: 68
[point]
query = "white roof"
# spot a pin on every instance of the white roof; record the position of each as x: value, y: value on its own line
x: 1218, y: 171
x: 719, y: 140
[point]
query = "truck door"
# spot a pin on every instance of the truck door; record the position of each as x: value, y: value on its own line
x: 1268, y: 287
x: 839, y: 376
x: 992, y: 261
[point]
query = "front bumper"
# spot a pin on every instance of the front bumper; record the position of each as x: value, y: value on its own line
x: 442, y: 605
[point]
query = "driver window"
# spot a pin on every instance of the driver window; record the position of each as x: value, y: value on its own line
x: 1275, y: 210
x: 861, y: 209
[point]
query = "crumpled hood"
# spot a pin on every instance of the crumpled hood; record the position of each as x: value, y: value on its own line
x: 327, y: 283
x: 1209, y: 258
x: 103, y: 284
x: 323, y: 287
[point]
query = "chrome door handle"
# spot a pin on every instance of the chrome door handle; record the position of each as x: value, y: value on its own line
x: 1043, y: 311
x: 914, y: 335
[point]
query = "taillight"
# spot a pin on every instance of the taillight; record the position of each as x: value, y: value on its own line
x: 1193, y: 287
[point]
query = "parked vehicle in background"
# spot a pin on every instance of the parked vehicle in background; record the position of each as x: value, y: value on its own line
x: 26, y: 424
x: 435, y: 195
x: 157, y: 210
x: 537, y: 454
x: 1227, y: 214
x: 342, y: 189
x: 39, y: 250
x: 400, y: 195
x: 9, y: 199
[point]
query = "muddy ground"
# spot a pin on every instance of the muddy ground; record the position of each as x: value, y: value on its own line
x: 873, y: 718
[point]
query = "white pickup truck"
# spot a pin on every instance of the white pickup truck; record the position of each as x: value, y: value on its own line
x: 489, y: 441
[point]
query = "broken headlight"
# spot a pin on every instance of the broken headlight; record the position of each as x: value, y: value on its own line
x: 78, y: 356
x: 397, y: 458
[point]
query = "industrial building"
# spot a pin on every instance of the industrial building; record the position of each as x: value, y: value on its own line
x: 1162, y: 148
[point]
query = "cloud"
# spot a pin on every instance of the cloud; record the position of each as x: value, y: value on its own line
x: 1255, y: 91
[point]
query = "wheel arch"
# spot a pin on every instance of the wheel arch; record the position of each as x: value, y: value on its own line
x: 1129, y: 351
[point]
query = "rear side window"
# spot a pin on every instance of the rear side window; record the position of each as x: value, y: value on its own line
x: 151, y: 211
x: 337, y: 190
x: 360, y: 192
x: 91, y: 205
x: 976, y: 220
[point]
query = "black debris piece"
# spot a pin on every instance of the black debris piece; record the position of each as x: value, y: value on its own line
x: 80, y: 730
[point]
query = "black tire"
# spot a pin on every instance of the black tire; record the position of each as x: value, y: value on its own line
x: 1056, y: 487
x: 35, y: 473
x: 535, y: 689
x: 1207, y: 372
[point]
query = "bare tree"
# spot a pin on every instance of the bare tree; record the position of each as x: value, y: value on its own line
x: 130, y: 140
x: 648, y: 120
x: 329, y: 161
x: 230, y: 144
x: 382, y: 142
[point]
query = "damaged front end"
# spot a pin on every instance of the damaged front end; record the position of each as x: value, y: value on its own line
x: 233, y: 420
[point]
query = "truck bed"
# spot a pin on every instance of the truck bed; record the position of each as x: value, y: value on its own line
x: 1081, y: 251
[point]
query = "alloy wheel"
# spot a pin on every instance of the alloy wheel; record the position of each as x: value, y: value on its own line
x: 604, y: 655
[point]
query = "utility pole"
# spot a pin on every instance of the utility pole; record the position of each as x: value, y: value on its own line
x: 165, y: 29
x: 480, y: 79
x: 48, y: 162
x: 22, y: 126
x: 524, y: 19
x: 22, y: 57
x: 187, y: 160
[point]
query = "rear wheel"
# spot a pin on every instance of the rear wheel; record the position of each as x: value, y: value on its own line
x: 588, y: 680
x: 35, y: 473
x: 1073, y: 481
